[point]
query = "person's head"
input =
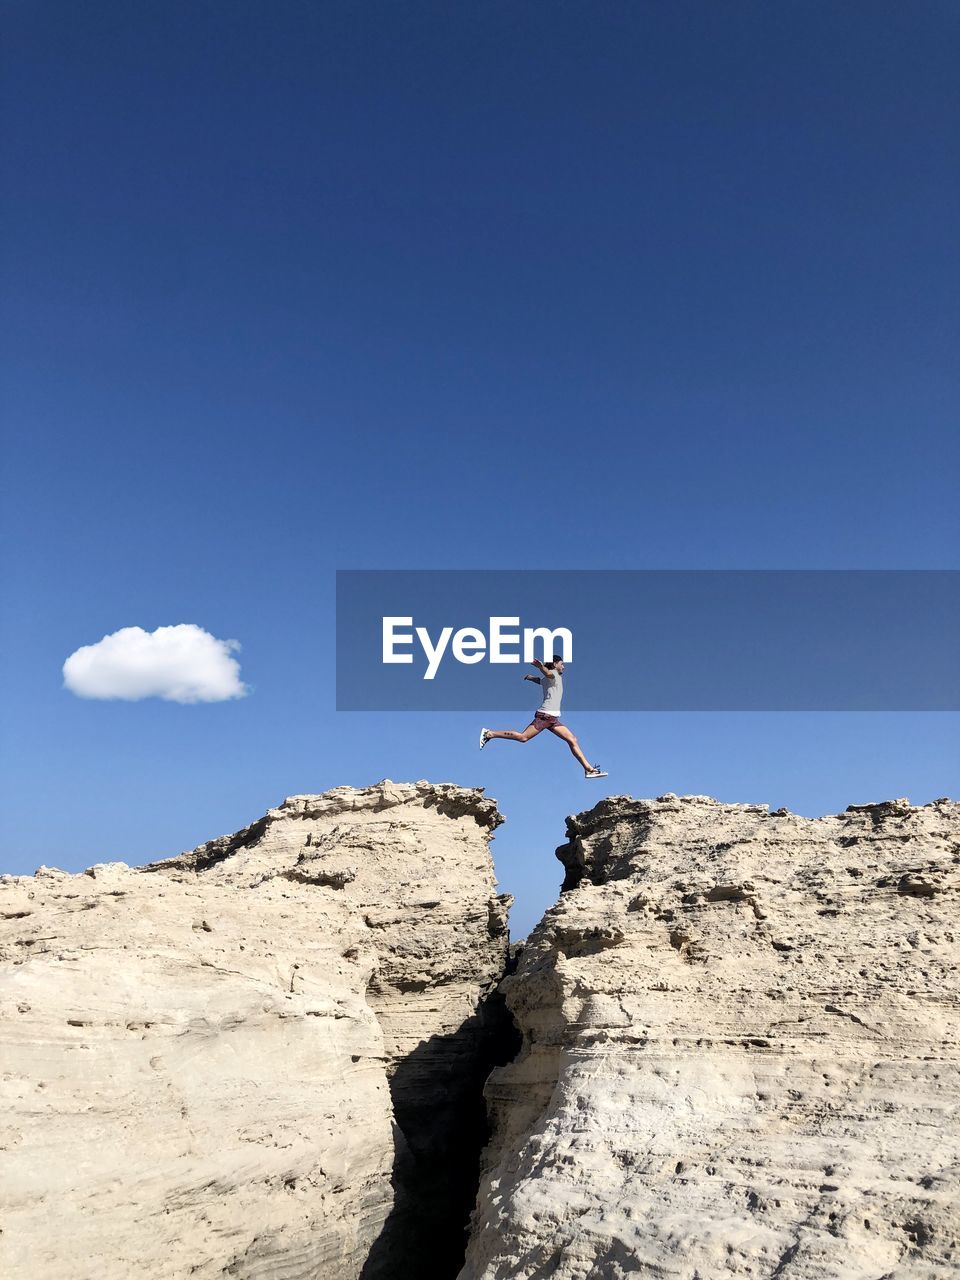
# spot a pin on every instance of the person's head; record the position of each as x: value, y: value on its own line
x: 556, y: 664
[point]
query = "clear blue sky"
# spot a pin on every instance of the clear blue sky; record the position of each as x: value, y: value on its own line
x: 298, y: 287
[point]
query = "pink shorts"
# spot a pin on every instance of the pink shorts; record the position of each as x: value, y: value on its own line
x: 542, y: 721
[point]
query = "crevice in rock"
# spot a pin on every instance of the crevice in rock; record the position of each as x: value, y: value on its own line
x: 440, y: 1130
x: 214, y: 851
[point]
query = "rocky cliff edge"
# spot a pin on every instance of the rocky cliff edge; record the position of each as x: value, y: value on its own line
x: 263, y: 1058
x: 740, y: 1051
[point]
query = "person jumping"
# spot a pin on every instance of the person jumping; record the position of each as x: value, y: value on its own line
x: 547, y: 716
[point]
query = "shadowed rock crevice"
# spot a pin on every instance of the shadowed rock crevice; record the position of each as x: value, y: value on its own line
x: 441, y: 1129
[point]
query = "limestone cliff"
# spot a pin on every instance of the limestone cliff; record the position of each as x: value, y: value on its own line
x: 258, y: 1059
x: 265, y: 1058
x: 740, y: 1052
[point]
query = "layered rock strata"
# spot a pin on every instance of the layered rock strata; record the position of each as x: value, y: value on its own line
x: 257, y: 1059
x: 740, y: 1052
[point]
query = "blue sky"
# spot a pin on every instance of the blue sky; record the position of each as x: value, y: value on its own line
x: 304, y: 287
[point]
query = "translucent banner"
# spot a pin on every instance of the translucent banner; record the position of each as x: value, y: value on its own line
x: 650, y: 640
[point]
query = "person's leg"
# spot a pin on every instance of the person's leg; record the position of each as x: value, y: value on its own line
x: 512, y: 735
x: 570, y: 739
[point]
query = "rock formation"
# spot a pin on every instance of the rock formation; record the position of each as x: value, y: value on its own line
x: 258, y: 1059
x: 265, y: 1059
x: 740, y: 1052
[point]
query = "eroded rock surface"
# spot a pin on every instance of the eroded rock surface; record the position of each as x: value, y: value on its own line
x: 257, y: 1059
x: 740, y: 1052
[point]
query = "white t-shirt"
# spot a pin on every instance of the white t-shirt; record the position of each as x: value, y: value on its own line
x: 552, y: 686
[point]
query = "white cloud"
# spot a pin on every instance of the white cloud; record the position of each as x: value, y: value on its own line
x: 179, y: 664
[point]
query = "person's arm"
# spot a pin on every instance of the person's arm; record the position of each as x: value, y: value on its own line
x: 532, y: 679
x: 547, y: 675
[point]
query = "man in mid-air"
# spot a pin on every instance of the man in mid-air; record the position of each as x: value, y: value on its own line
x: 550, y: 680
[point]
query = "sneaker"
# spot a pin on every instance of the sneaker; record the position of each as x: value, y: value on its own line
x: 484, y: 738
x: 596, y: 773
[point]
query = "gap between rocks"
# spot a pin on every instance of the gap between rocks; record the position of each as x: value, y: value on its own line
x: 440, y: 1130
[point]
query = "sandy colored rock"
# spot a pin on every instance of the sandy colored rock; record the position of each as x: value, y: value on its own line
x: 208, y: 1064
x: 740, y: 1052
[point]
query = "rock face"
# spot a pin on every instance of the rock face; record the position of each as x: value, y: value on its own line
x: 740, y: 1052
x: 258, y: 1059
x: 265, y: 1058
